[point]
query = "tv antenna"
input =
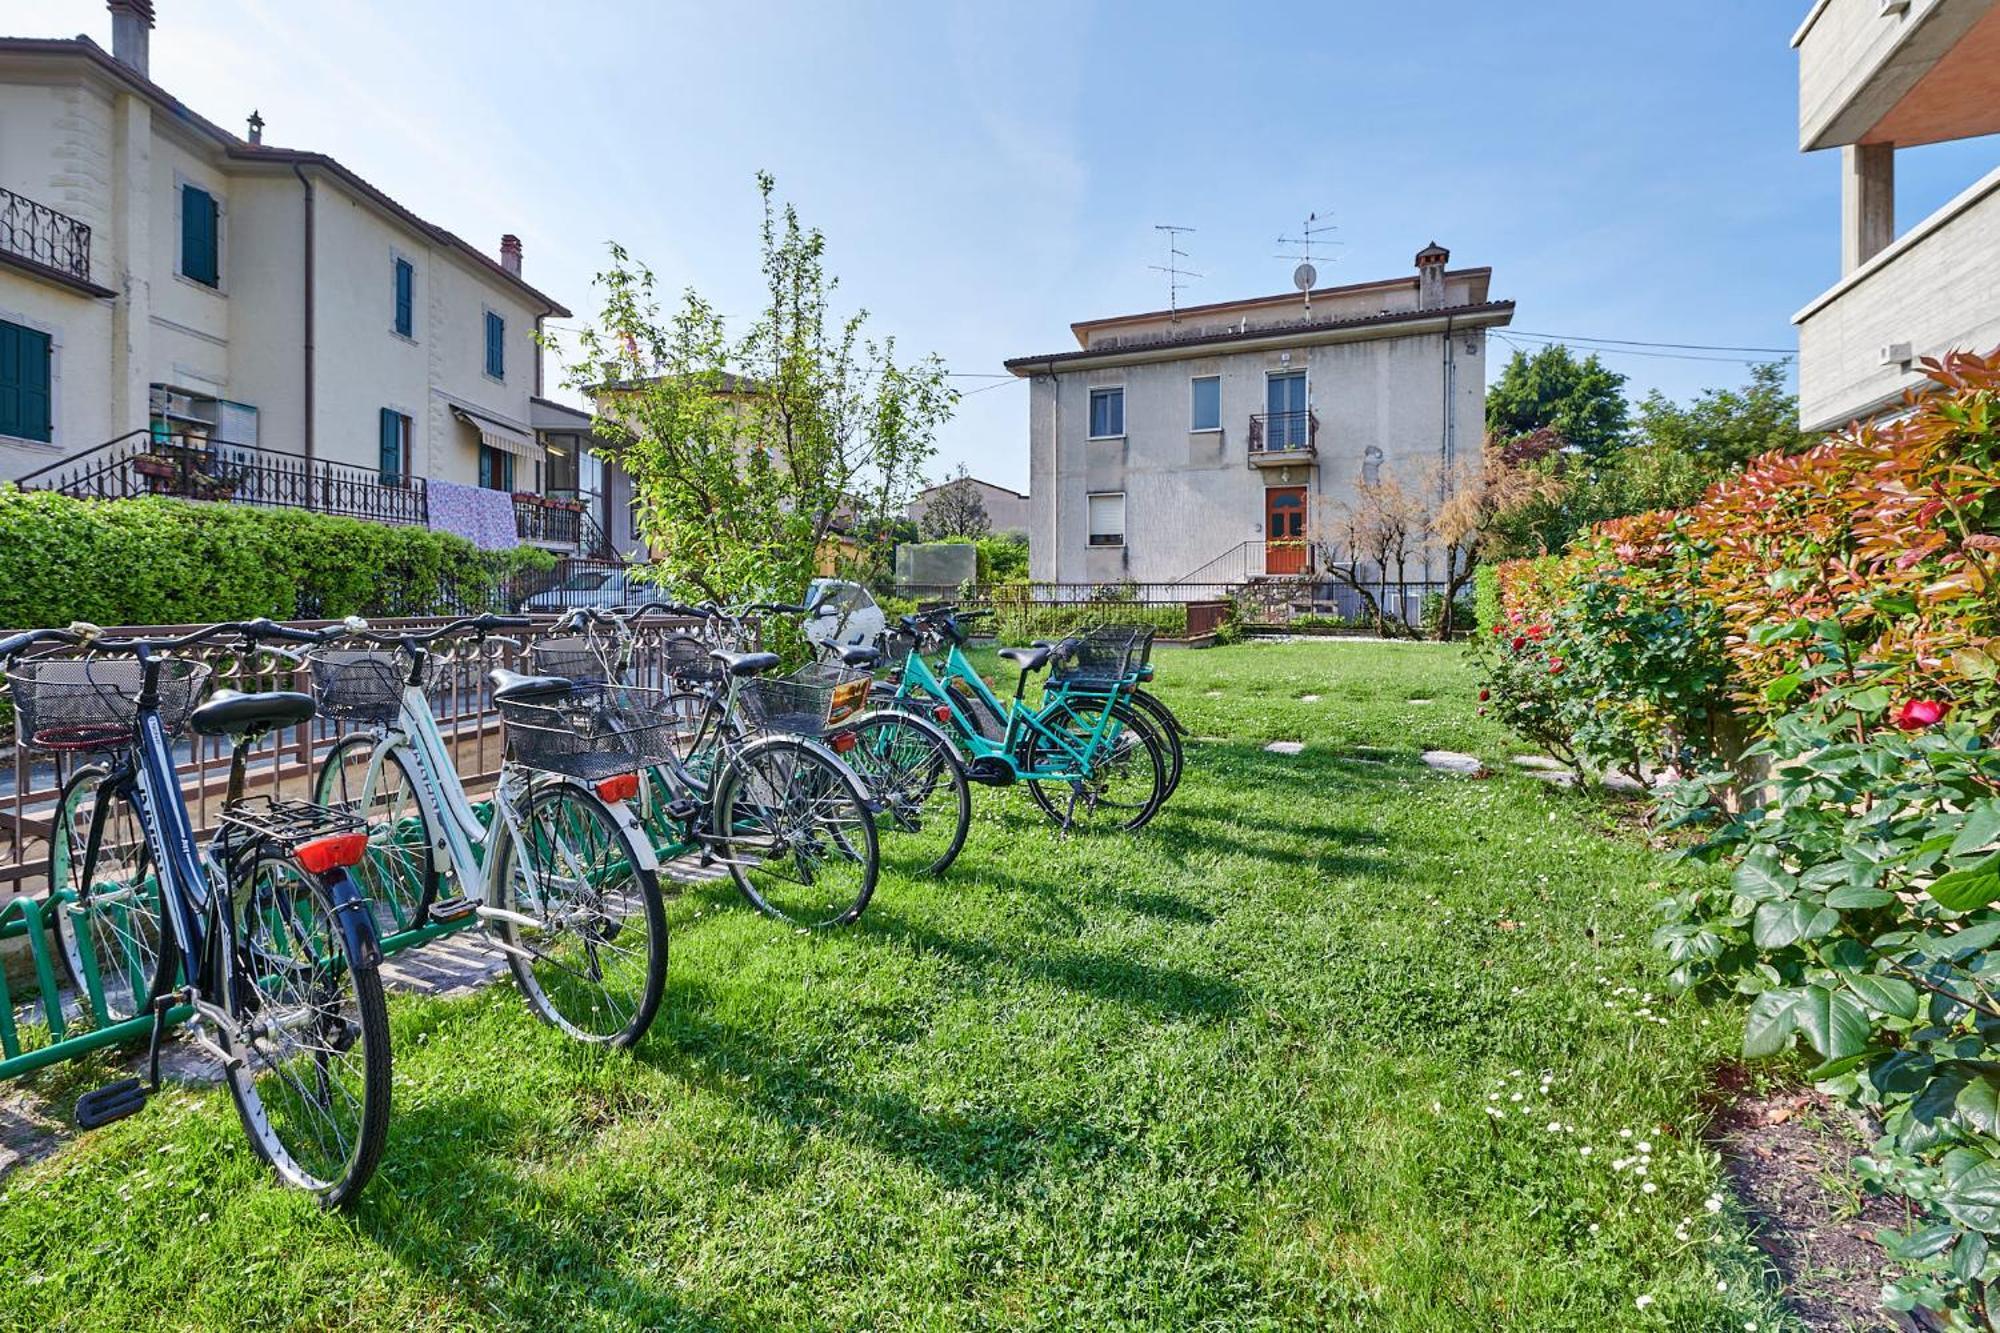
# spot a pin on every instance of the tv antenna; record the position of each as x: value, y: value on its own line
x: 1312, y: 233
x: 1172, y: 268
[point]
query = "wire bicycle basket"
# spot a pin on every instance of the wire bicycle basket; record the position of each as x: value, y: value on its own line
x: 686, y: 659
x: 364, y: 685
x: 595, y: 732
x: 1103, y: 657
x: 578, y: 657
x: 812, y: 701
x: 75, y: 704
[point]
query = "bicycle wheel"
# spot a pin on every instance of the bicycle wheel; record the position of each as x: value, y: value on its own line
x: 594, y: 964
x: 1167, y: 729
x: 114, y: 901
x: 1125, y: 778
x: 311, y: 1082
x: 698, y: 724
x: 911, y: 771
x: 795, y: 828
x: 399, y: 874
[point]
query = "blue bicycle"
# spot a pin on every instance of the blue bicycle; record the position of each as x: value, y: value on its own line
x: 257, y: 940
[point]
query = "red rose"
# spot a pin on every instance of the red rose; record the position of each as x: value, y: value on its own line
x: 1519, y: 643
x: 1537, y: 631
x: 1916, y: 714
x: 1484, y: 695
x: 1555, y: 666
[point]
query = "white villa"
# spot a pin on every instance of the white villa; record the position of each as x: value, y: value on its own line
x: 259, y: 320
x: 1206, y: 444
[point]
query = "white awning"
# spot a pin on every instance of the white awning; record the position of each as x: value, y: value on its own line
x: 498, y: 434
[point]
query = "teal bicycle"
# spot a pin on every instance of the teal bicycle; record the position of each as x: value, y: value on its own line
x: 1088, y: 758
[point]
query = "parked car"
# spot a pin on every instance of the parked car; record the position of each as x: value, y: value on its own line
x: 843, y: 613
x: 606, y: 585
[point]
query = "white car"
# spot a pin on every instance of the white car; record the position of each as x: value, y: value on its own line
x: 843, y: 613
x: 604, y: 586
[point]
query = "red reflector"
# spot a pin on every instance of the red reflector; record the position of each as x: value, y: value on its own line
x: 943, y: 712
x: 843, y: 742
x: 621, y: 788
x: 336, y: 849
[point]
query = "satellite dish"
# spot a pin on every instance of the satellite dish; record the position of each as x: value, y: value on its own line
x: 1304, y: 276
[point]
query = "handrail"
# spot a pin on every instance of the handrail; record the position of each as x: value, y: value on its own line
x: 44, y: 235
x: 82, y: 454
x: 1287, y: 421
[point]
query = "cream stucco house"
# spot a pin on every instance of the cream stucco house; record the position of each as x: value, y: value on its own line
x: 1206, y: 444
x: 167, y: 285
x: 1875, y: 76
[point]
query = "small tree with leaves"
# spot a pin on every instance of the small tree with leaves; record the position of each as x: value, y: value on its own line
x: 748, y: 453
x: 955, y: 510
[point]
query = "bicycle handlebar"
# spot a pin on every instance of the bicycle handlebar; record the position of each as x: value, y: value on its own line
x: 91, y: 636
x: 481, y: 625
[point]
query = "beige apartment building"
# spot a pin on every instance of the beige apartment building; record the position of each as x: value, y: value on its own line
x: 1875, y: 76
x: 169, y: 286
x: 1213, y: 443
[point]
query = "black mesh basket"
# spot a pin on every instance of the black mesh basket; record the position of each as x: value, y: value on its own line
x: 577, y: 656
x: 685, y: 660
x: 810, y: 702
x: 594, y: 732
x: 1104, y: 657
x: 364, y: 685
x: 91, y: 703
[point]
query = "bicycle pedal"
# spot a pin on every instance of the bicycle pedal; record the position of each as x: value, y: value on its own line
x: 682, y: 809
x: 113, y: 1101
x: 453, y: 909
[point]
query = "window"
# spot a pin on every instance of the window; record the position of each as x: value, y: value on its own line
x: 200, y: 254
x: 1107, y: 413
x: 394, y: 460
x: 406, y: 298
x: 1107, y: 519
x: 496, y: 468
x: 632, y: 519
x: 26, y: 370
x: 496, y: 346
x: 1206, y: 411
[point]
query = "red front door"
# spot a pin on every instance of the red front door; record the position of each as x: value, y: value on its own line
x: 1285, y: 530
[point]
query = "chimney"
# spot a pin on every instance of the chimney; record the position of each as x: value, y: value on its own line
x: 131, y: 33
x: 1430, y: 276
x: 256, y: 128
x: 510, y: 253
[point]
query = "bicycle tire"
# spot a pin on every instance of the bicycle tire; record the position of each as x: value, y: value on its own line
x: 906, y: 777
x: 399, y: 874
x: 1168, y: 731
x: 124, y: 926
x: 611, y: 849
x: 1061, y: 805
x: 273, y: 942
x: 796, y: 800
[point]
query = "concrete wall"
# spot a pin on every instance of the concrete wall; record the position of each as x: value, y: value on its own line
x: 1006, y: 510
x: 1857, y: 60
x: 1192, y: 496
x: 1936, y: 288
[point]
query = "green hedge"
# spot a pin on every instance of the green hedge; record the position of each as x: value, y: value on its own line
x: 155, y: 561
x: 1486, y: 608
x: 1018, y: 622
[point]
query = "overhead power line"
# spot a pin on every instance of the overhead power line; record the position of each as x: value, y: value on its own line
x: 1513, y: 340
x: 1635, y: 342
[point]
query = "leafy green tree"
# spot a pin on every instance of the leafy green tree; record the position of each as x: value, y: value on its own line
x: 747, y: 453
x: 1582, y: 401
x: 1728, y: 427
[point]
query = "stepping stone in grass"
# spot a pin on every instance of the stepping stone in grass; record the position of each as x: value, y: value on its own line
x: 1451, y: 761
x: 1286, y: 747
x: 1308, y: 698
x: 1545, y: 762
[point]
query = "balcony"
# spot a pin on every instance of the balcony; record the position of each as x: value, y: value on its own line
x: 1904, y: 72
x: 55, y: 245
x: 558, y: 521
x: 1279, y: 439
x: 1921, y: 296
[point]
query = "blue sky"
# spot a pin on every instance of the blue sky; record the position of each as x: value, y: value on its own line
x: 987, y: 174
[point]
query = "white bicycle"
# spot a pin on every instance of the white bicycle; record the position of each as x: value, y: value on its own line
x: 554, y: 865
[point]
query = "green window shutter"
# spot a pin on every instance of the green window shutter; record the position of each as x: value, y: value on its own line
x: 198, y: 236
x: 25, y: 400
x: 405, y: 297
x: 391, y: 462
x: 496, y: 346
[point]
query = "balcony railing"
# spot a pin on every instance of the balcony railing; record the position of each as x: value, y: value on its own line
x: 555, y: 520
x: 39, y: 234
x: 1287, y: 433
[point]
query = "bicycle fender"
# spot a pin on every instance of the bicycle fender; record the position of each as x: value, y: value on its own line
x: 621, y: 811
x: 357, y: 922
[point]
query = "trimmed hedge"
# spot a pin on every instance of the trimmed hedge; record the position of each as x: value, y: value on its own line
x: 156, y: 561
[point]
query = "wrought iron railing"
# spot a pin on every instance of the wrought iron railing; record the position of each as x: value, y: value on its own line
x: 554, y: 521
x: 1284, y: 433
x: 193, y: 467
x: 37, y: 233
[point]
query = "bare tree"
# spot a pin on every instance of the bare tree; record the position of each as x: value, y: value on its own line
x: 955, y: 510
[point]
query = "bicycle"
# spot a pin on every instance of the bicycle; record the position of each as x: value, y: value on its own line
x: 1116, y: 660
x: 907, y: 764
x: 259, y: 941
x: 1087, y: 759
x: 753, y: 780
x: 555, y: 866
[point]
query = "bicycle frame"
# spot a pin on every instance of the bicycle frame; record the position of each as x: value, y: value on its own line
x: 1022, y: 722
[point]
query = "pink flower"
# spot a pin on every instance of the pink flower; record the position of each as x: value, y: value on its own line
x: 1916, y: 714
x: 1555, y: 666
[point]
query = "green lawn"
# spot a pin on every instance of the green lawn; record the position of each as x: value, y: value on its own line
x: 1238, y: 1071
